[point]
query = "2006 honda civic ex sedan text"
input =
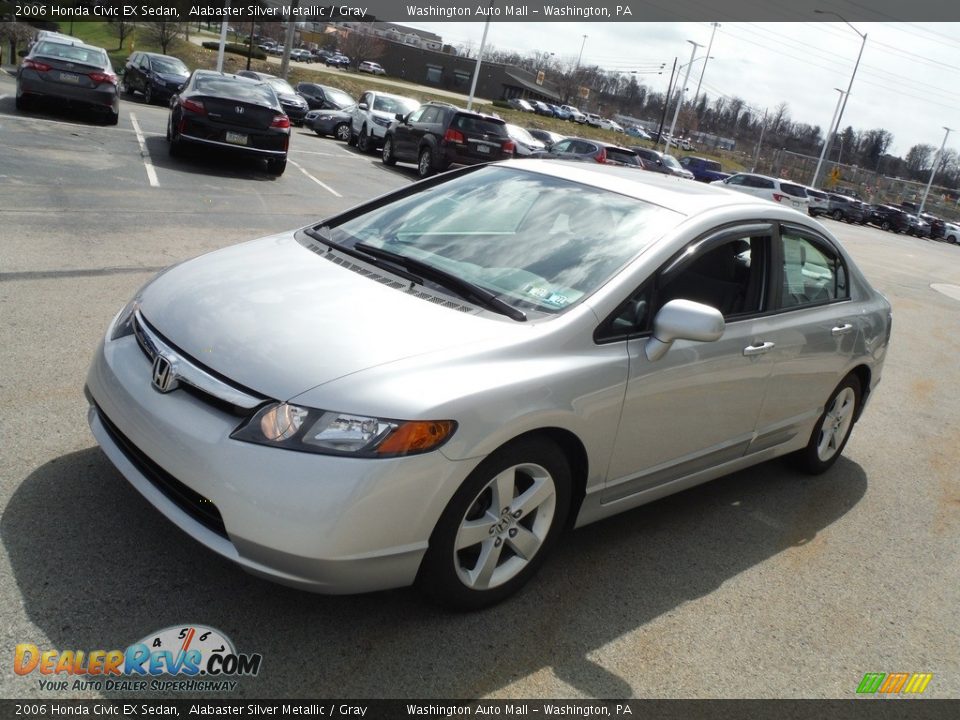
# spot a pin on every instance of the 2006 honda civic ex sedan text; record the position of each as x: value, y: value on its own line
x: 429, y: 387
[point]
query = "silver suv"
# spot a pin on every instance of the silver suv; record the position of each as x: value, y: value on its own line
x: 372, y: 116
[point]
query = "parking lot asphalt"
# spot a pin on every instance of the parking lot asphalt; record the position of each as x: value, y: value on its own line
x: 765, y: 583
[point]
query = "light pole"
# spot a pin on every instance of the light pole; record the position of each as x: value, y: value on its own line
x: 704, y: 69
x: 683, y: 88
x: 828, y: 140
x: 580, y: 56
x: 936, y: 161
x: 476, y: 69
x: 843, y: 105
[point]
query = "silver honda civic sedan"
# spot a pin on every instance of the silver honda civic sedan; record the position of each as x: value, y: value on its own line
x: 428, y: 388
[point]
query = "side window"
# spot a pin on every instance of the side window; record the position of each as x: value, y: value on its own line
x: 812, y: 272
x: 430, y: 115
x: 729, y: 277
x: 562, y: 146
x: 632, y: 317
x: 415, y: 115
x: 735, y: 180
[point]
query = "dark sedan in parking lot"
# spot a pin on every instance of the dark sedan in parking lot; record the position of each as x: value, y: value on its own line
x: 71, y: 73
x: 231, y: 113
x: 323, y: 97
x: 156, y: 77
x: 331, y: 122
x: 293, y: 105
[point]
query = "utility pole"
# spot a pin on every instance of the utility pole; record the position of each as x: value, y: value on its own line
x: 936, y: 161
x: 476, y: 69
x: 666, y: 101
x: 756, y: 153
x: 702, y: 71
x: 223, y: 36
x: 288, y: 40
x: 676, y: 113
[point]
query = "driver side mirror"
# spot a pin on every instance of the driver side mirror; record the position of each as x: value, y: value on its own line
x: 401, y: 117
x: 363, y: 106
x: 683, y: 320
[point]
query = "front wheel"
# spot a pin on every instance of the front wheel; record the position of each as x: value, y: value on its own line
x: 832, y: 430
x: 364, y: 144
x: 342, y: 132
x: 497, y: 529
x: 837, y: 215
x: 885, y: 225
x: 148, y: 94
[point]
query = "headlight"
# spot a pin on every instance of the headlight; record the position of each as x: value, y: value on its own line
x: 123, y: 323
x: 334, y: 433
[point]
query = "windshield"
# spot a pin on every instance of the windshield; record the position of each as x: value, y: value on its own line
x: 518, y: 133
x: 387, y: 103
x: 671, y: 162
x: 171, y: 66
x: 72, y: 53
x: 338, y: 97
x: 281, y: 86
x: 536, y: 242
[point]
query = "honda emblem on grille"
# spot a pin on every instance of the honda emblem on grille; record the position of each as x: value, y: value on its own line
x: 164, y: 374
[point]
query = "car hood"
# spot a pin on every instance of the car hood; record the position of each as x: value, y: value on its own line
x: 279, y: 318
x: 172, y: 77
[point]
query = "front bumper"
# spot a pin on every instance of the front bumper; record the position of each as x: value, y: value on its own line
x: 322, y: 523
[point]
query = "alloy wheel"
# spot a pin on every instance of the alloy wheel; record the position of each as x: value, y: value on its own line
x: 505, y: 526
x: 836, y: 424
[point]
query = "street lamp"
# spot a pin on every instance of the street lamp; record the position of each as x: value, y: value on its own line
x: 683, y: 89
x: 828, y: 141
x: 843, y: 105
x: 704, y: 69
x: 936, y: 161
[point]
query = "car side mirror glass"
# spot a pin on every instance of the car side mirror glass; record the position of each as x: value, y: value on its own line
x: 363, y: 106
x: 683, y: 320
x: 401, y: 117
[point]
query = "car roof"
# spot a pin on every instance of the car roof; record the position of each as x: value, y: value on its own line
x: 668, y: 191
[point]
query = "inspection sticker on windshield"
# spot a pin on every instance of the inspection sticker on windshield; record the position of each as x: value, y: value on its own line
x: 547, y: 295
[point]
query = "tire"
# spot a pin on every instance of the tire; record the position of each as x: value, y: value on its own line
x: 499, y: 527
x: 833, y: 428
x: 952, y: 239
x: 22, y: 102
x: 112, y: 118
x: 387, y: 155
x: 342, y: 132
x: 885, y: 225
x: 276, y: 167
x: 425, y: 163
x: 352, y: 140
x: 148, y: 94
x: 363, y: 141
x: 837, y: 215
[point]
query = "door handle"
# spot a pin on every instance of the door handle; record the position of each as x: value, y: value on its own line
x: 841, y: 329
x: 757, y: 349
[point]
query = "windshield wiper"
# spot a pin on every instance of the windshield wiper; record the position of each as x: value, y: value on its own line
x: 321, y: 235
x: 464, y: 288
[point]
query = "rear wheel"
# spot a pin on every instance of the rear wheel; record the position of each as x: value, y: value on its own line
x: 885, y: 225
x: 148, y: 94
x: 499, y: 526
x: 832, y: 430
x: 342, y: 132
x: 22, y: 102
x: 837, y: 215
x: 387, y: 155
x: 276, y: 166
x: 425, y: 163
x: 112, y: 118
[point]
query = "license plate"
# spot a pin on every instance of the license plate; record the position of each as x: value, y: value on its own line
x: 483, y: 149
x: 796, y: 204
x: 69, y: 77
x: 237, y: 138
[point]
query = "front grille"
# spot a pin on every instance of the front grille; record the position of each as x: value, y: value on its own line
x: 190, y: 501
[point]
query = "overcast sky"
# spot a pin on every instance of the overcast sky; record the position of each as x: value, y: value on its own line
x: 906, y: 82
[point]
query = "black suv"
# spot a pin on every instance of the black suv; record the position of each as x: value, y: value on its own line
x: 436, y: 135
x: 157, y: 77
x: 887, y: 217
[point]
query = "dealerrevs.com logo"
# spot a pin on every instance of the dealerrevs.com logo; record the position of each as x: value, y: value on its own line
x: 181, y: 658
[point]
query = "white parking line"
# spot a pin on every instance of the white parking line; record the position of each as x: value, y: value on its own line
x: 151, y: 173
x: 318, y: 182
x: 326, y: 154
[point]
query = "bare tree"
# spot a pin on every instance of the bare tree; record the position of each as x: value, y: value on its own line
x: 162, y: 33
x: 918, y: 158
x: 361, y: 44
x: 122, y: 29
